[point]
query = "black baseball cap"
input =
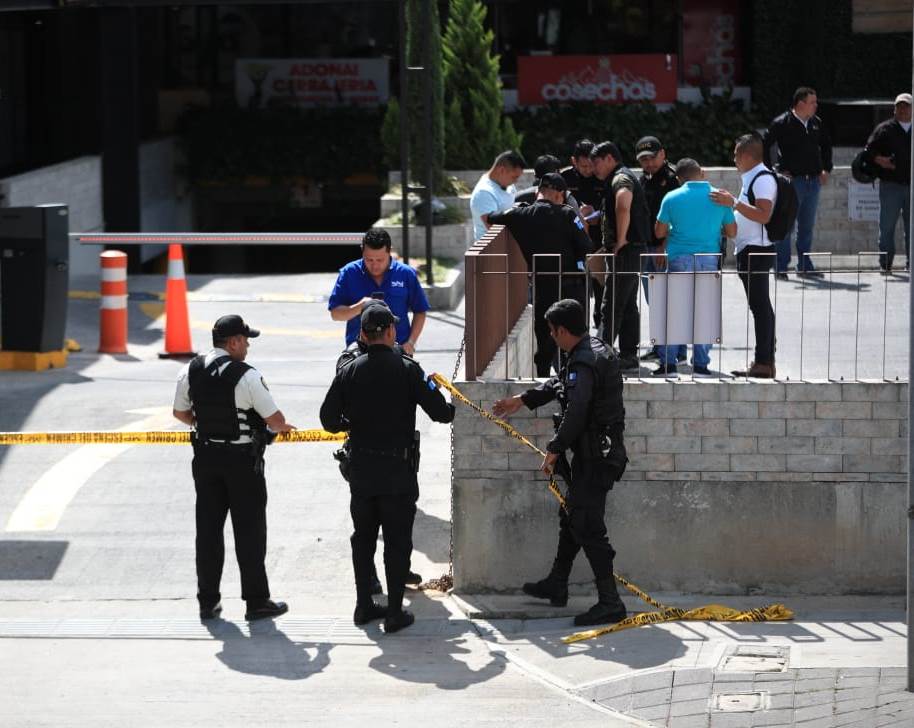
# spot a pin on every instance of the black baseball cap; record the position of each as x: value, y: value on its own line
x: 233, y: 325
x: 377, y: 316
x: 647, y: 147
x: 553, y: 181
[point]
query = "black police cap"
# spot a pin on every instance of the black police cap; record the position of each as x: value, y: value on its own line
x: 377, y: 316
x: 233, y: 325
x: 554, y: 181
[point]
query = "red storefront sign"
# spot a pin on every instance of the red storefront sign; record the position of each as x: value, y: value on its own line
x: 712, y: 47
x: 615, y: 79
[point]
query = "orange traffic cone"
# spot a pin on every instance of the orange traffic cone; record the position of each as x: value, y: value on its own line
x: 177, y: 322
x: 113, y: 313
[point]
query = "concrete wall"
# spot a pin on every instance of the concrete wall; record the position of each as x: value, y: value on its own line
x: 78, y: 184
x: 518, y: 350
x: 732, y: 488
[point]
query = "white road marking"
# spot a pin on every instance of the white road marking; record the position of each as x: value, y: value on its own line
x: 43, y: 505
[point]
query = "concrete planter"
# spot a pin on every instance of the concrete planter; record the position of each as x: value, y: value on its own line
x: 445, y: 295
x: 448, y: 241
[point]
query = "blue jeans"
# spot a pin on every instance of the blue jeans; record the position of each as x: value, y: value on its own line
x: 700, y: 352
x: 808, y: 197
x: 893, y: 198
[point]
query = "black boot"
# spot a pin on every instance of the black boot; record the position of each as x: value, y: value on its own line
x: 554, y: 588
x: 608, y: 609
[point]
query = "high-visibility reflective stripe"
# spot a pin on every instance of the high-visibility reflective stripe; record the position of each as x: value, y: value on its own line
x: 175, y: 269
x: 114, y: 274
x: 114, y: 302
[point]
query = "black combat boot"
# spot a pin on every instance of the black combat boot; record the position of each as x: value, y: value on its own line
x: 608, y: 609
x: 554, y: 587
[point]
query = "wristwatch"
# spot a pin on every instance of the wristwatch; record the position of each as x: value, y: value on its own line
x: 735, y: 202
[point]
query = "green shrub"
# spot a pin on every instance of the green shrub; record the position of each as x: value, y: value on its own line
x: 705, y: 132
x: 477, y: 130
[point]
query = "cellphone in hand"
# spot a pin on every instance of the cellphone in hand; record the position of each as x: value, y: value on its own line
x: 378, y: 295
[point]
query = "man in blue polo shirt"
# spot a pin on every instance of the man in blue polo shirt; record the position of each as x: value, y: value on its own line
x: 691, y: 224
x: 376, y: 275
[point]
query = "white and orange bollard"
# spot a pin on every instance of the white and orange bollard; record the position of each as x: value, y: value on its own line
x: 177, y: 321
x: 113, y: 313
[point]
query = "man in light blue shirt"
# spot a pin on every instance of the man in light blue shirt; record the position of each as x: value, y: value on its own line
x: 495, y: 190
x: 691, y: 224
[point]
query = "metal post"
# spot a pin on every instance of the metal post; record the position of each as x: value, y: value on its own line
x: 404, y: 134
x: 910, y: 453
x: 429, y: 141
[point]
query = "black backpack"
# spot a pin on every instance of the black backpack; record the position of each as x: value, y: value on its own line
x: 784, y: 214
x: 863, y: 169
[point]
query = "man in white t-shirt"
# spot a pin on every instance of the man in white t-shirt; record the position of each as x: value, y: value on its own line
x: 494, y: 192
x: 755, y: 253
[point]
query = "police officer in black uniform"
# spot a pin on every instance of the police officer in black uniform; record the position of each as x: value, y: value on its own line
x: 356, y: 349
x: 375, y: 397
x: 230, y: 408
x: 587, y: 189
x: 589, y: 390
x: 549, y: 227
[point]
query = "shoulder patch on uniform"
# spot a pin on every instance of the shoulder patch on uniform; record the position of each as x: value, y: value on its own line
x: 577, y: 221
x: 264, y: 384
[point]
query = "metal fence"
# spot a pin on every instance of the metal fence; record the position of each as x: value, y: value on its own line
x: 850, y: 324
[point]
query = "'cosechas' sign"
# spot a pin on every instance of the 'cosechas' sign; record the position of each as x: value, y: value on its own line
x: 615, y: 79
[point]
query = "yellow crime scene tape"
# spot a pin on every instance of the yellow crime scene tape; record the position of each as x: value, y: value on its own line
x: 708, y: 613
x: 162, y: 437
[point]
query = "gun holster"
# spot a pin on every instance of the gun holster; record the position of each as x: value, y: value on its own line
x: 343, y: 456
x: 414, y: 453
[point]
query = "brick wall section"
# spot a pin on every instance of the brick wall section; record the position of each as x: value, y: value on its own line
x: 776, y: 432
x: 732, y: 487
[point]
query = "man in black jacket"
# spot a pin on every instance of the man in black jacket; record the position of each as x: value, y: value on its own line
x: 889, y: 146
x: 550, y: 235
x: 658, y: 178
x: 626, y: 232
x: 375, y: 397
x: 589, y: 390
x: 804, y: 155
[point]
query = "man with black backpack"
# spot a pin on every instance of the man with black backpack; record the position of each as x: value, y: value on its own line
x: 758, y: 210
x: 230, y: 408
x: 805, y: 157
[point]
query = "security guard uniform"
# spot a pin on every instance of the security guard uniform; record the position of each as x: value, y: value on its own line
x: 545, y: 228
x: 230, y: 400
x: 589, y: 191
x: 375, y: 397
x: 592, y: 420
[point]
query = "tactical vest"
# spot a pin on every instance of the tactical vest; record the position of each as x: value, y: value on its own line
x: 212, y: 395
x: 606, y: 409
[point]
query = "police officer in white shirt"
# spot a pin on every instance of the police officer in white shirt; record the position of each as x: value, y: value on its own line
x: 230, y: 408
x: 755, y: 253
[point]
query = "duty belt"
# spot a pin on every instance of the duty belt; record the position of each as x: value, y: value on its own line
x: 398, y: 453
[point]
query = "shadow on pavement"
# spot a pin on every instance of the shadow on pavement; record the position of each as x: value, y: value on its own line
x: 432, y: 537
x: 436, y: 659
x: 268, y: 651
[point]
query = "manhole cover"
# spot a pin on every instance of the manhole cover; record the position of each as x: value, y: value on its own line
x: 757, y: 659
x: 739, y: 702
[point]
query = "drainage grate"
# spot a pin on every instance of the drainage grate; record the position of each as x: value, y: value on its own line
x: 738, y: 702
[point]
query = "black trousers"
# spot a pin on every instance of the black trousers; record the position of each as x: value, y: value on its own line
x: 753, y: 272
x: 620, y: 300
x: 226, y: 482
x: 547, y: 292
x: 395, y: 514
x: 583, y: 526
